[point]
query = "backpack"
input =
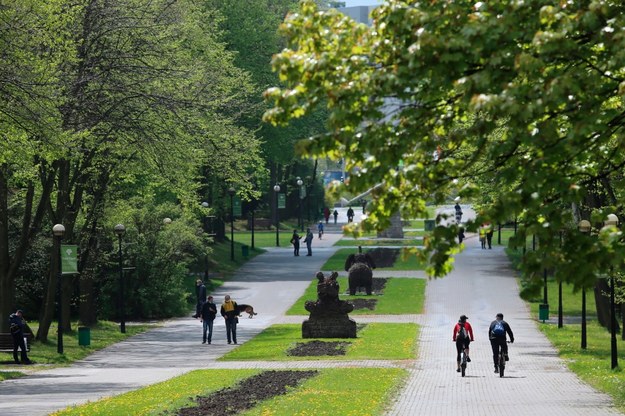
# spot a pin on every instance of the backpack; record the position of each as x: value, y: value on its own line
x: 498, y: 329
x: 462, y: 333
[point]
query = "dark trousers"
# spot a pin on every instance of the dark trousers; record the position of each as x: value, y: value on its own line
x: 207, y: 327
x: 18, y: 342
x: 489, y: 239
x: 296, y: 249
x: 308, y: 247
x: 231, y: 329
x: 495, y: 343
x: 460, y: 343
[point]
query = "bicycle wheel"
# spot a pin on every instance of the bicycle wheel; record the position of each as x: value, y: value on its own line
x: 502, y: 364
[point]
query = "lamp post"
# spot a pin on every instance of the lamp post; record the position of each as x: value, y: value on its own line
x: 120, y: 230
x: 584, y: 227
x: 231, y: 192
x: 300, y: 182
x: 59, y: 230
x: 276, y: 188
x: 612, y: 221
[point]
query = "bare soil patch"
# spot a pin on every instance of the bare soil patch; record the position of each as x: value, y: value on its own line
x: 318, y: 348
x: 247, y: 394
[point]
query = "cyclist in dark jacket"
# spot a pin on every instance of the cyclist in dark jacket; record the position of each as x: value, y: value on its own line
x: 17, y: 326
x: 497, y: 335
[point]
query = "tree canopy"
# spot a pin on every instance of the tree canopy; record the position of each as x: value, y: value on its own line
x: 520, y: 101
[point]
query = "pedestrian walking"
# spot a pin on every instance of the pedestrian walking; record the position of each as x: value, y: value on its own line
x: 17, y: 324
x: 482, y: 234
x: 460, y: 234
x: 336, y: 215
x: 308, y: 240
x: 350, y: 215
x: 326, y: 214
x: 208, y: 314
x: 295, y: 241
x: 320, y: 229
x: 230, y: 312
x: 458, y: 209
x: 489, y: 235
x: 200, y: 294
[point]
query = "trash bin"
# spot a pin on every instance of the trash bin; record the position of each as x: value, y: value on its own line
x: 543, y: 311
x: 245, y: 250
x: 84, y: 335
x: 429, y: 225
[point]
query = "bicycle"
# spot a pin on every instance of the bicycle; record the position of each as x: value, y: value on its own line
x: 502, y: 360
x: 463, y: 361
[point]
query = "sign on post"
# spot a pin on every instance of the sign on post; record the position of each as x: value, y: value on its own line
x: 236, y: 206
x: 281, y: 200
x: 69, y: 259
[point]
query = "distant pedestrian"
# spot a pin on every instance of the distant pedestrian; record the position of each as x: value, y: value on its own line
x: 308, y: 240
x: 350, y: 215
x: 458, y: 209
x: 320, y: 229
x: 326, y: 214
x: 200, y: 294
x: 489, y: 235
x: 364, y: 206
x: 17, y: 325
x: 295, y: 241
x: 207, y: 314
x: 336, y: 215
x: 482, y: 234
x: 230, y: 312
x: 460, y: 235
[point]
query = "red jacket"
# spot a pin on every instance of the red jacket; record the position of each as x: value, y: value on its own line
x: 468, y: 328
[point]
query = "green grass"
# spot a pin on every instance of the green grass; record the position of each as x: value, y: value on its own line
x: 401, y: 296
x: 593, y: 364
x: 102, y: 335
x: 354, y: 391
x: 414, y: 224
x: 356, y: 243
x: 162, y: 397
x: 220, y: 257
x: 375, y: 342
x: 6, y: 375
x: 571, y: 302
x: 337, y: 261
x: 265, y: 238
x: 361, y: 391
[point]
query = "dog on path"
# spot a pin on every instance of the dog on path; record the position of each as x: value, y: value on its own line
x: 248, y: 309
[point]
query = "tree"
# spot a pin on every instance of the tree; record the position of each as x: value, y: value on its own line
x: 530, y: 94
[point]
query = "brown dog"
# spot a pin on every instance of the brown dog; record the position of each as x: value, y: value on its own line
x: 249, y: 309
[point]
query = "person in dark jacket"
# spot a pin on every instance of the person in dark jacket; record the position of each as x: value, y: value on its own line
x: 230, y: 312
x: 295, y: 241
x: 200, y: 293
x: 308, y: 240
x: 497, y: 334
x: 17, y: 326
x: 207, y: 315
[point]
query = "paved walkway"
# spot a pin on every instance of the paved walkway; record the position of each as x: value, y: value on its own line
x: 536, y: 383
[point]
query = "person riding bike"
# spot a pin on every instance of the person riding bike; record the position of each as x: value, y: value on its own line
x: 497, y: 335
x: 463, y: 335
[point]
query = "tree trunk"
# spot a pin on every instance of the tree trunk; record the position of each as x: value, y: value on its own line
x: 602, y: 300
x: 7, y: 281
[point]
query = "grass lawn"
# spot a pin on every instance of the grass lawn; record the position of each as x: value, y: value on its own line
x: 337, y: 261
x: 401, y: 296
x: 265, y: 238
x: 356, y: 243
x: 375, y: 342
x: 102, y: 335
x: 593, y: 364
x: 361, y: 391
x: 571, y: 302
x: 414, y: 224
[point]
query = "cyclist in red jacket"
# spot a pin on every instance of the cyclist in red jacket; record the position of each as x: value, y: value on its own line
x: 463, y: 335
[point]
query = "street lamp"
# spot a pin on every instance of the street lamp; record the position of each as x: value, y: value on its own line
x: 120, y: 230
x: 166, y: 220
x: 231, y: 192
x: 612, y: 221
x: 276, y: 188
x: 59, y: 230
x: 584, y: 227
x: 300, y: 182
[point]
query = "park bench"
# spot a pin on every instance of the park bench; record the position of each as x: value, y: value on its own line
x: 259, y: 223
x: 6, y: 341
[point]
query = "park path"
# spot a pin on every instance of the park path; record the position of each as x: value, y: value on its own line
x: 537, y: 381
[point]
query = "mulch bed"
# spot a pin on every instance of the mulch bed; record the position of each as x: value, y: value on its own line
x: 363, y: 303
x: 247, y: 394
x: 318, y: 348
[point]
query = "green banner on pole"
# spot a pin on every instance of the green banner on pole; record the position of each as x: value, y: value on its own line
x: 281, y: 200
x: 69, y: 259
x: 236, y: 206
